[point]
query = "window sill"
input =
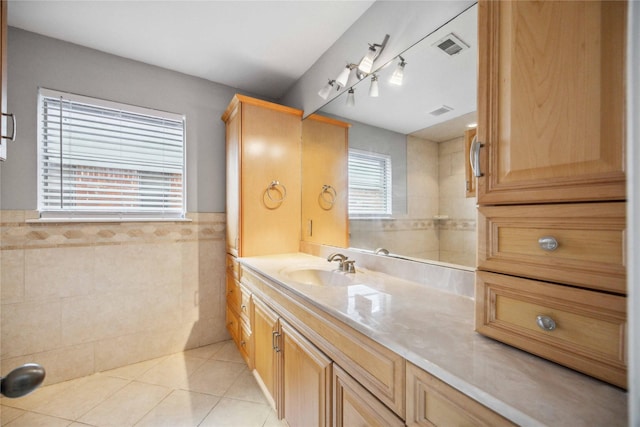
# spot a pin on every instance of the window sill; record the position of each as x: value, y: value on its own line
x: 103, y: 220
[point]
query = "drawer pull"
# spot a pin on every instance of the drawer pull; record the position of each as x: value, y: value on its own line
x: 548, y: 243
x: 274, y: 341
x: 546, y: 323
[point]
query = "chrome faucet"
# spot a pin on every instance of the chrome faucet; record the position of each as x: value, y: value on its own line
x: 344, y: 264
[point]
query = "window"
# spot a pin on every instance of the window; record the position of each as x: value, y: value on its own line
x: 100, y: 159
x: 369, y: 184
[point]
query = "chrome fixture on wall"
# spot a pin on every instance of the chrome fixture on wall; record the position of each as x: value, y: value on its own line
x: 362, y: 70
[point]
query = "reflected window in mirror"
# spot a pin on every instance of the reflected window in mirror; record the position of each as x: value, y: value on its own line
x: 370, y: 186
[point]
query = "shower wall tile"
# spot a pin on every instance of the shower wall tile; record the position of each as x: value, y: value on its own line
x: 12, y: 276
x: 30, y: 327
x: 58, y: 272
x: 84, y: 297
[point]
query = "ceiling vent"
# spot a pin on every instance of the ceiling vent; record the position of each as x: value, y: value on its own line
x: 440, y: 110
x: 451, y: 44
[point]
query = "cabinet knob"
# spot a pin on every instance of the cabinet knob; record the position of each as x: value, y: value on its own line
x: 548, y: 243
x: 545, y: 323
x: 243, y: 307
x: 243, y: 343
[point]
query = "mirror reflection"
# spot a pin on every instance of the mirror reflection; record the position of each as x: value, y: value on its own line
x: 417, y: 130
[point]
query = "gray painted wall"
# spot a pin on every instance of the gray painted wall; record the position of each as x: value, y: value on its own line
x: 38, y: 61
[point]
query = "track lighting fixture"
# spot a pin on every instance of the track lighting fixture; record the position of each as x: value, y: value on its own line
x: 351, y: 98
x: 362, y: 70
x: 398, y: 73
x: 373, y: 88
x: 343, y: 77
x: 324, y: 92
x: 366, y: 63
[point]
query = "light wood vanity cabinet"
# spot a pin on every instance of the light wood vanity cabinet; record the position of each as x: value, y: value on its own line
x: 293, y: 373
x: 551, y: 101
x: 306, y: 382
x: 238, y: 311
x: 267, y: 363
x: 263, y: 177
x: 431, y: 402
x: 551, y: 216
x: 310, y: 365
x: 325, y: 181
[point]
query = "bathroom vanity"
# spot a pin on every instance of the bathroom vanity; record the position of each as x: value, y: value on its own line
x: 347, y: 348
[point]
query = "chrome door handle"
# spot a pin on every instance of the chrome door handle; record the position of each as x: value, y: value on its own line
x: 474, y: 157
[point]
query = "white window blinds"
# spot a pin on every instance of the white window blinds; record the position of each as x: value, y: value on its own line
x: 369, y: 184
x: 98, y: 157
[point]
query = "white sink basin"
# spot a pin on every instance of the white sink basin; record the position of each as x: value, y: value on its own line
x: 319, y: 277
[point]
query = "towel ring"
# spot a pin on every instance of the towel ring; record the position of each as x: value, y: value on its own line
x: 272, y: 186
x: 328, y: 194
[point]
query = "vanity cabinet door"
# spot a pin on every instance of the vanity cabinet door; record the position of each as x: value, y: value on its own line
x: 306, y: 381
x: 266, y: 331
x: 355, y: 406
x: 551, y: 101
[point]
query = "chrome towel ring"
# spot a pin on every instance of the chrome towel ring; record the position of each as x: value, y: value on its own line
x: 273, y: 186
x: 328, y: 194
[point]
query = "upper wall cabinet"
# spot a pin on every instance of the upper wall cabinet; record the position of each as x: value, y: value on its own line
x: 553, y: 92
x: 263, y: 177
x: 324, y: 181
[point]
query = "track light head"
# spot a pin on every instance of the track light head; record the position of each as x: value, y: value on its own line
x: 351, y: 98
x: 398, y: 74
x: 324, y: 92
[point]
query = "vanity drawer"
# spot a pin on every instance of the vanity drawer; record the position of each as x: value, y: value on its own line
x: 581, y: 329
x: 590, y: 239
x: 233, y: 324
x: 244, y: 344
x: 245, y: 306
x: 431, y: 402
x: 234, y: 294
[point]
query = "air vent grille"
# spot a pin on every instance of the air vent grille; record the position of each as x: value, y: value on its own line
x: 440, y: 110
x: 451, y: 44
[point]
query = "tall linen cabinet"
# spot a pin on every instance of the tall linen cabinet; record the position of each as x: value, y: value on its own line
x: 551, y: 219
x: 263, y: 197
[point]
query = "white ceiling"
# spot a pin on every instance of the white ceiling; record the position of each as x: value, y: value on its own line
x: 258, y: 46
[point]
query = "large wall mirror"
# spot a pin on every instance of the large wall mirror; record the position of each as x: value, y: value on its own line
x: 419, y: 128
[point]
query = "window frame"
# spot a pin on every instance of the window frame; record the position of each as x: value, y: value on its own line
x: 46, y: 213
x: 388, y: 178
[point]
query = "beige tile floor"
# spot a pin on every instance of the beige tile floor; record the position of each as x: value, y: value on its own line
x: 207, y: 386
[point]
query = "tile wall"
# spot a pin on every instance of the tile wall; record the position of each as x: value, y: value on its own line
x: 80, y: 298
x: 435, y: 187
x: 458, y: 232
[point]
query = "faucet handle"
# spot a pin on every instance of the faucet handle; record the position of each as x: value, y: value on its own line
x: 349, y: 266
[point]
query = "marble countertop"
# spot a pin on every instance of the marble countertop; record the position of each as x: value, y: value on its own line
x: 434, y: 330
